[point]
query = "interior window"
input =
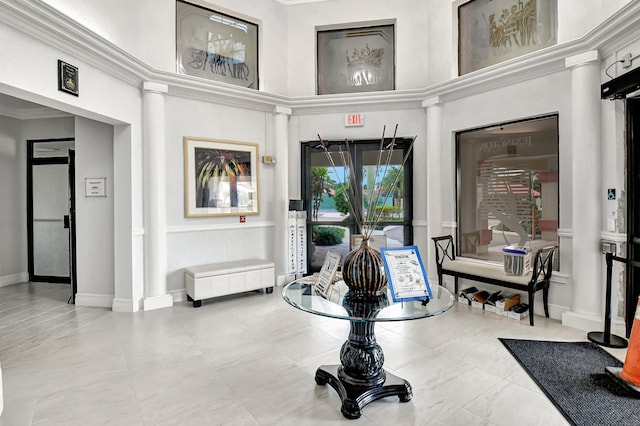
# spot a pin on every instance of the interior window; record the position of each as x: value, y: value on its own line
x: 507, y: 187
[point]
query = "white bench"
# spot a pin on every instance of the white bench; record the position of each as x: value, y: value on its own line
x: 221, y: 279
x: 538, y: 278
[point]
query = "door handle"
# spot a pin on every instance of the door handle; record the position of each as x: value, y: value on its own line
x: 66, y: 221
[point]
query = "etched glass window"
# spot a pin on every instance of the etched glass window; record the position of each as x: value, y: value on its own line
x: 507, y: 187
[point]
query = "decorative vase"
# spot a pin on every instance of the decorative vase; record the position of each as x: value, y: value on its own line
x: 363, y: 271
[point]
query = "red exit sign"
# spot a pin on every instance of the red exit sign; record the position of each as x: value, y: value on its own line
x: 351, y: 120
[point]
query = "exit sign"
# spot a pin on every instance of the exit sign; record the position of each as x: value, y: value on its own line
x: 351, y: 120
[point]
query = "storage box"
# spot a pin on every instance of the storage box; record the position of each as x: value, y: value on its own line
x: 517, y: 260
x: 477, y: 305
x: 466, y: 295
x: 518, y: 315
x: 506, y: 301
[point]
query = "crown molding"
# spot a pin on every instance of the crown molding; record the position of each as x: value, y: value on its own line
x: 49, y: 25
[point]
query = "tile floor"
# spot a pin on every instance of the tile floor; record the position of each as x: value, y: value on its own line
x: 250, y: 360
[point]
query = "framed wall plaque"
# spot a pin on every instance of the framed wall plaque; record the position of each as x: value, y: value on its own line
x: 220, y: 178
x: 68, y: 78
x: 356, y: 59
x: 492, y: 31
x: 216, y: 46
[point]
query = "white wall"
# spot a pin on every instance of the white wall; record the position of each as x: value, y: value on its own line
x: 13, y: 206
x: 194, y: 241
x: 94, y: 215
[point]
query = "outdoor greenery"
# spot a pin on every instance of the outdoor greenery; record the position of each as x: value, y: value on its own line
x: 327, y: 235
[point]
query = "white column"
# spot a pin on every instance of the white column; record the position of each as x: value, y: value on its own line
x: 428, y: 203
x: 281, y: 185
x: 586, y: 153
x: 155, y: 193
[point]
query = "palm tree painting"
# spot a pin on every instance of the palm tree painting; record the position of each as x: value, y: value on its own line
x: 218, y: 174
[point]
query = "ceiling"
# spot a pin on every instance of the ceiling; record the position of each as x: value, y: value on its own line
x: 21, y: 109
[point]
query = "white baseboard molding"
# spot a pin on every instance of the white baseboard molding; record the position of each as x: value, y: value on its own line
x: 94, y: 300
x: 157, y: 302
x: 179, y: 295
x: 20, y: 277
x: 125, y: 305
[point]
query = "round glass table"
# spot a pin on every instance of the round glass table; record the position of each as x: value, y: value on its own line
x: 359, y: 378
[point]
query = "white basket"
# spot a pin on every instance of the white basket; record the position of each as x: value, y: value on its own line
x: 517, y: 260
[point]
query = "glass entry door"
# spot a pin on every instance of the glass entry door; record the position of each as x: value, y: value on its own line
x: 377, y: 198
x: 49, y: 213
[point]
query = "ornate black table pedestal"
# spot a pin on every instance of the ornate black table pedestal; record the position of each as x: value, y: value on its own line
x: 360, y: 378
x: 355, y: 396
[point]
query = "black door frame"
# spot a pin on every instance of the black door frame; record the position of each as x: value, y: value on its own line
x: 357, y: 148
x: 632, y: 107
x: 31, y: 162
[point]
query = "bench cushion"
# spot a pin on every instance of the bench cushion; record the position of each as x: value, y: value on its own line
x: 484, y: 269
x: 213, y: 269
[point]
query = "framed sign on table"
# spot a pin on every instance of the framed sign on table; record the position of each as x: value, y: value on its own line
x: 216, y: 46
x: 356, y: 59
x: 493, y: 31
x: 220, y: 177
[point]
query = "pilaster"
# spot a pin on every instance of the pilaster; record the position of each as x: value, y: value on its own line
x: 155, y: 206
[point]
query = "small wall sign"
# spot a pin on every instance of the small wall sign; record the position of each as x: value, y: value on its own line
x: 68, y: 78
x: 351, y: 120
x: 95, y: 187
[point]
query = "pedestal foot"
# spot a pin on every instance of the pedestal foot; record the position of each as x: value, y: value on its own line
x: 354, y: 398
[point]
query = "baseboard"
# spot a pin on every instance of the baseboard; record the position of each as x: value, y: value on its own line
x: 18, y: 278
x: 582, y: 321
x: 179, y: 295
x: 94, y: 300
x: 125, y: 305
x: 157, y: 302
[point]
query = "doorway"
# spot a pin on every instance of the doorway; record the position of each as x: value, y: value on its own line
x: 51, y: 212
x: 383, y: 194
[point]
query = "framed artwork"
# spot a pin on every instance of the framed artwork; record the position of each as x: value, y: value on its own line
x: 216, y: 46
x: 220, y: 178
x: 492, y: 31
x: 356, y: 60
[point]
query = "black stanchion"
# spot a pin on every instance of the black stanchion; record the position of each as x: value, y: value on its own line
x: 606, y: 338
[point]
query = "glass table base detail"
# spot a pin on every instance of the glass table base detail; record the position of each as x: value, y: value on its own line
x: 355, y: 397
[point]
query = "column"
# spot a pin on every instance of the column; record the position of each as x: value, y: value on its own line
x: 428, y: 204
x: 155, y: 192
x: 281, y: 185
x: 586, y: 153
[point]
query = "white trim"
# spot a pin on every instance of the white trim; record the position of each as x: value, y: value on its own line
x: 94, y: 300
x: 125, y: 305
x: 451, y: 225
x: 584, y: 322
x: 179, y: 295
x: 18, y: 278
x: 217, y: 227
x: 565, y: 233
x: 157, y: 302
x: 615, y: 237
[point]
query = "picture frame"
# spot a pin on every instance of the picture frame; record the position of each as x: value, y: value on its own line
x: 68, y: 78
x: 220, y: 177
x: 352, y: 60
x: 405, y: 273
x: 216, y: 46
x: 493, y: 31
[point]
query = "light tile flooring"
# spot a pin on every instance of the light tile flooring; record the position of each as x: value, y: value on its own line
x: 250, y: 360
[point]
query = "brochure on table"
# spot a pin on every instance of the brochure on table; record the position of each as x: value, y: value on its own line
x: 405, y: 273
x: 328, y: 271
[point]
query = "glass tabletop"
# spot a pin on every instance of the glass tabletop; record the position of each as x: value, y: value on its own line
x: 339, y: 304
